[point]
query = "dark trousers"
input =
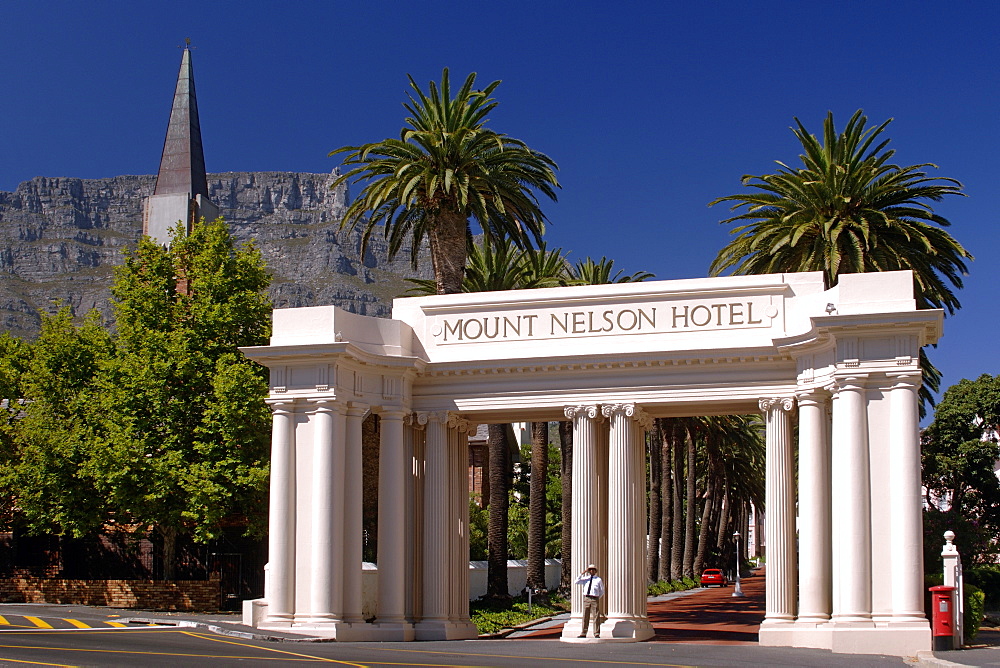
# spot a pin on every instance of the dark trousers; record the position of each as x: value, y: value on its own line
x: 591, y: 606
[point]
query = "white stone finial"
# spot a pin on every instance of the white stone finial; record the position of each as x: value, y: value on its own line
x: 949, y: 536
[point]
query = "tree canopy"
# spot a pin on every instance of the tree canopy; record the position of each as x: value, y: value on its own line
x: 960, y: 451
x: 446, y: 169
x: 849, y: 209
x: 161, y: 423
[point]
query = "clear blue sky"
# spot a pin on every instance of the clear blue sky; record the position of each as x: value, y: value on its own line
x: 650, y: 109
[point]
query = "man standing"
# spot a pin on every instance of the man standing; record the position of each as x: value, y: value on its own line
x: 593, y: 590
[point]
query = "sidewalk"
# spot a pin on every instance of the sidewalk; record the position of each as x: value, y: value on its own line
x: 698, y: 616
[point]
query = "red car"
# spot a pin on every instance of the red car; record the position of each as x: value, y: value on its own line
x: 713, y: 576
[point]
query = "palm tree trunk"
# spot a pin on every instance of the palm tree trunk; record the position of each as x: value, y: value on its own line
x: 449, y: 250
x: 566, y: 480
x: 691, y: 504
x: 706, y: 523
x: 655, y: 514
x: 496, y: 574
x: 537, y: 505
x: 677, y: 548
x: 720, y: 538
x: 666, y: 500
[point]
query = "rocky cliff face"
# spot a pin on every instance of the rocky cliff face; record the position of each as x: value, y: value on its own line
x: 60, y: 239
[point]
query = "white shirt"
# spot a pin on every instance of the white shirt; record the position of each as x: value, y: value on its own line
x: 593, y: 585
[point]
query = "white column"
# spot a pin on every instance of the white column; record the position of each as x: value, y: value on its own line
x: 436, y: 512
x: 328, y: 511
x: 852, y: 539
x: 780, y: 517
x: 352, y: 514
x: 625, y: 570
x: 281, y: 521
x: 905, y: 502
x: 586, y: 540
x: 459, y: 625
x: 391, y: 514
x: 814, y: 508
x: 413, y: 575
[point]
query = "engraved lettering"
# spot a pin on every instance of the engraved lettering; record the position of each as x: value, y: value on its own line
x: 496, y: 329
x: 509, y: 325
x: 718, y: 313
x: 579, y: 326
x: 531, y: 323
x: 694, y: 321
x: 607, y: 319
x: 750, y: 320
x: 685, y: 316
x: 479, y: 330
x: 456, y: 329
x: 647, y: 318
x: 564, y: 325
x: 736, y: 314
x: 635, y: 319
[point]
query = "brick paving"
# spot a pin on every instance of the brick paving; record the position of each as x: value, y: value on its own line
x: 705, y: 616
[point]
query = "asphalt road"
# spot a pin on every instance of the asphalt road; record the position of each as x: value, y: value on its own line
x: 173, y: 646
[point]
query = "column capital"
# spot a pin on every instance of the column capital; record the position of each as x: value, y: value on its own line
x: 356, y: 409
x: 423, y: 417
x: 392, y: 413
x: 326, y: 405
x: 456, y: 421
x: 768, y: 404
x: 630, y: 410
x: 905, y: 379
x: 281, y: 405
x: 812, y: 394
x: 592, y: 411
x: 848, y: 382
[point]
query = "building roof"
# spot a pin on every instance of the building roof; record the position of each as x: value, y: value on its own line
x: 182, y: 165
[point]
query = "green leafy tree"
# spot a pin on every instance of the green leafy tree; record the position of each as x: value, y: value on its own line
x: 960, y: 449
x: 54, y: 433
x: 446, y: 169
x: 849, y: 209
x: 187, y: 443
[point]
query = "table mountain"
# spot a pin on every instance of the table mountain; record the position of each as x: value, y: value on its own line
x: 60, y: 239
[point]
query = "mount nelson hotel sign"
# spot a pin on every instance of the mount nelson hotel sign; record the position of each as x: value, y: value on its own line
x: 549, y: 323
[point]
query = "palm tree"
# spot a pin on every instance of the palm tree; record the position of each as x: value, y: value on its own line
x: 849, y: 209
x: 445, y: 169
x: 588, y: 272
x: 501, y: 265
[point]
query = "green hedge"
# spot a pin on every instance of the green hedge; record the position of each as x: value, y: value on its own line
x: 667, y: 586
x: 975, y: 609
x: 491, y: 617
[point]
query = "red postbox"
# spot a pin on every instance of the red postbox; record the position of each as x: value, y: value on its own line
x: 942, y: 618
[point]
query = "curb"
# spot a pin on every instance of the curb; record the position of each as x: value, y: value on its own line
x: 503, y: 633
x: 925, y: 657
x: 223, y: 631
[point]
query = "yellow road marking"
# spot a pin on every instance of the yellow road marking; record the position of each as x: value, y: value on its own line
x: 77, y: 623
x: 39, y: 622
x: 117, y: 625
x: 36, y: 663
x: 3, y: 621
x: 276, y: 651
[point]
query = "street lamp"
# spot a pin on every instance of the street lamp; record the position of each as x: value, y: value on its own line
x: 737, y: 592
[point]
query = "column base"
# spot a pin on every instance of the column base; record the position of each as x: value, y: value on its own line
x: 894, y: 639
x: 630, y: 629
x: 391, y: 632
x: 445, y: 630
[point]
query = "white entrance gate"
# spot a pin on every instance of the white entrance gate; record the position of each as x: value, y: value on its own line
x: 842, y: 362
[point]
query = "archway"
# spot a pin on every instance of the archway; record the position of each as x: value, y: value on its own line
x: 843, y: 362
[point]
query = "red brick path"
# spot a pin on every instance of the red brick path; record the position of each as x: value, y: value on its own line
x: 711, y: 616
